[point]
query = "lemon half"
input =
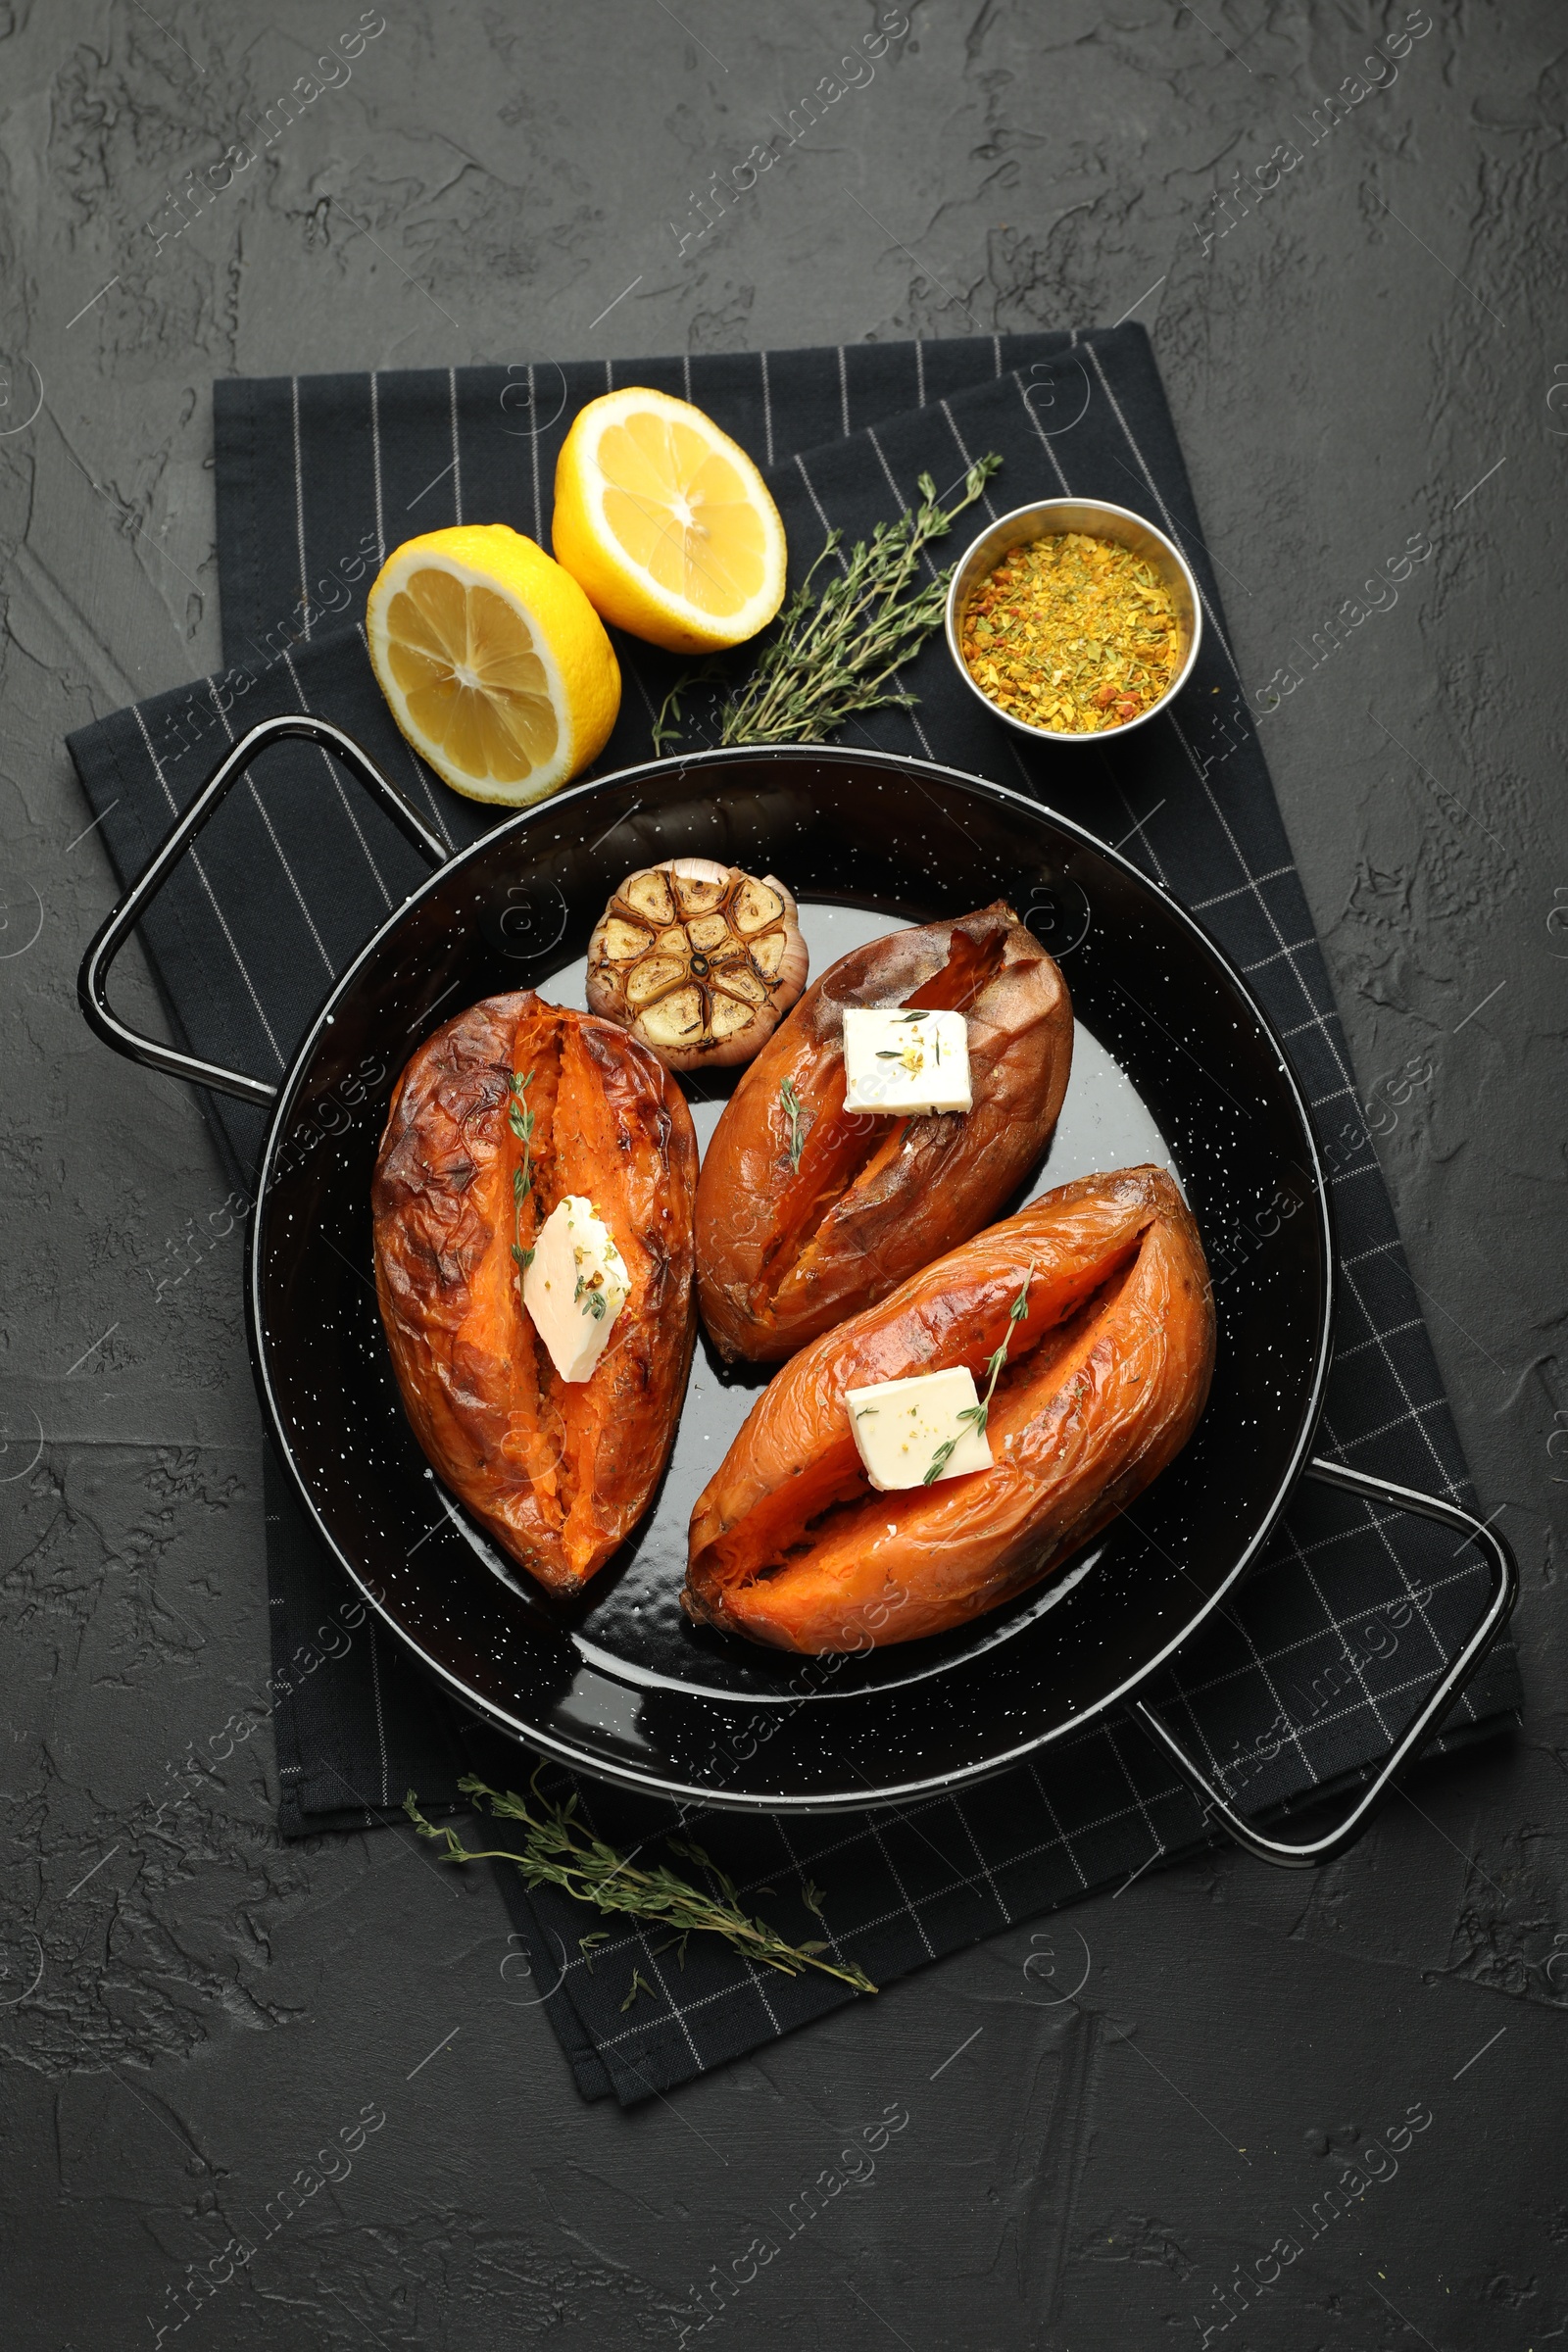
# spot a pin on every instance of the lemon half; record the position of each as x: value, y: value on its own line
x: 494, y: 662
x: 668, y: 523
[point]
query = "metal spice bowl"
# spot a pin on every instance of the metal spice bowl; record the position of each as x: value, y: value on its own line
x: 1103, y: 521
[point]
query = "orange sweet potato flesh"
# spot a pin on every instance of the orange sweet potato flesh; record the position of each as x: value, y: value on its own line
x: 1103, y: 1383
x: 557, y: 1472
x: 784, y: 1252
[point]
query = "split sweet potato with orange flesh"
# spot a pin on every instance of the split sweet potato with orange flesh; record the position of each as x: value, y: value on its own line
x: 557, y: 1472
x: 807, y: 1212
x: 1104, y: 1379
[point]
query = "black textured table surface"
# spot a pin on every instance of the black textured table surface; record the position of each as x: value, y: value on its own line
x: 1223, y: 2103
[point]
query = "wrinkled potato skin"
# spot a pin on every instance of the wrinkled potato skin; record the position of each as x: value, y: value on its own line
x: 1104, y: 1381
x: 557, y: 1473
x: 784, y: 1254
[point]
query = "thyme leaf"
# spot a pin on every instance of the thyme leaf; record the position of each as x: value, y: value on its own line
x: 940, y: 1460
x: 639, y: 1984
x: 559, y: 1850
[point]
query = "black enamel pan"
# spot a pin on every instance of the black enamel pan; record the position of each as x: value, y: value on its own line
x: 621, y: 1684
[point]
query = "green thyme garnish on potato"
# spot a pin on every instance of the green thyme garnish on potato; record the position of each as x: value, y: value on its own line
x: 980, y: 1413
x: 520, y: 1119
x: 796, y: 1116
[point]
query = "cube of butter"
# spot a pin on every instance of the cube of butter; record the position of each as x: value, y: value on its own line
x: 904, y: 1063
x: 902, y: 1426
x: 574, y: 1286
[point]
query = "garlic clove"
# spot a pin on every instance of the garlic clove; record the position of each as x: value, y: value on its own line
x: 674, y: 1023
x: 624, y: 942
x: 654, y: 978
x: 650, y: 896
x: 756, y: 904
x: 736, y: 980
x: 729, y: 1020
x: 699, y: 885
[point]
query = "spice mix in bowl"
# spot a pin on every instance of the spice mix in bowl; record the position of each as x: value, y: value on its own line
x: 1073, y: 620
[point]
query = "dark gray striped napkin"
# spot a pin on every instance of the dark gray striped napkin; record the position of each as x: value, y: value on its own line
x: 1342, y: 1625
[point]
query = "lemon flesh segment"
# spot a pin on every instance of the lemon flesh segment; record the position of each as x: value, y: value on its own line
x: 503, y: 724
x: 493, y: 662
x: 668, y: 523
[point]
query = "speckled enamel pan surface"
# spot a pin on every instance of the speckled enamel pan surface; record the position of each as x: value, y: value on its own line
x: 1173, y: 1062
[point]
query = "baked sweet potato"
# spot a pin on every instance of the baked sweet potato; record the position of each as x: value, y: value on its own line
x: 559, y: 1473
x: 1105, y: 1375
x: 807, y: 1212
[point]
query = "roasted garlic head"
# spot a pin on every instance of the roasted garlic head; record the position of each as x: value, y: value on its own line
x: 700, y: 961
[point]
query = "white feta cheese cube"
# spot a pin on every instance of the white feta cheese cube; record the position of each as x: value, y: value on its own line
x: 904, y: 1063
x: 911, y: 1433
x: 574, y: 1286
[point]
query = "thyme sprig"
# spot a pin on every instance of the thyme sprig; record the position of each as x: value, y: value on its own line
x: 519, y: 1118
x: 980, y: 1413
x: 795, y: 1115
x: 833, y: 652
x: 671, y: 724
x: 559, y: 1850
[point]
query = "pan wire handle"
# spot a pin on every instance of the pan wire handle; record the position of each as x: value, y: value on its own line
x: 92, y: 981
x: 1498, y: 1555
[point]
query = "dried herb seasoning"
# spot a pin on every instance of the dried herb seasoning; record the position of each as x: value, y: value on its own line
x: 1072, y: 632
